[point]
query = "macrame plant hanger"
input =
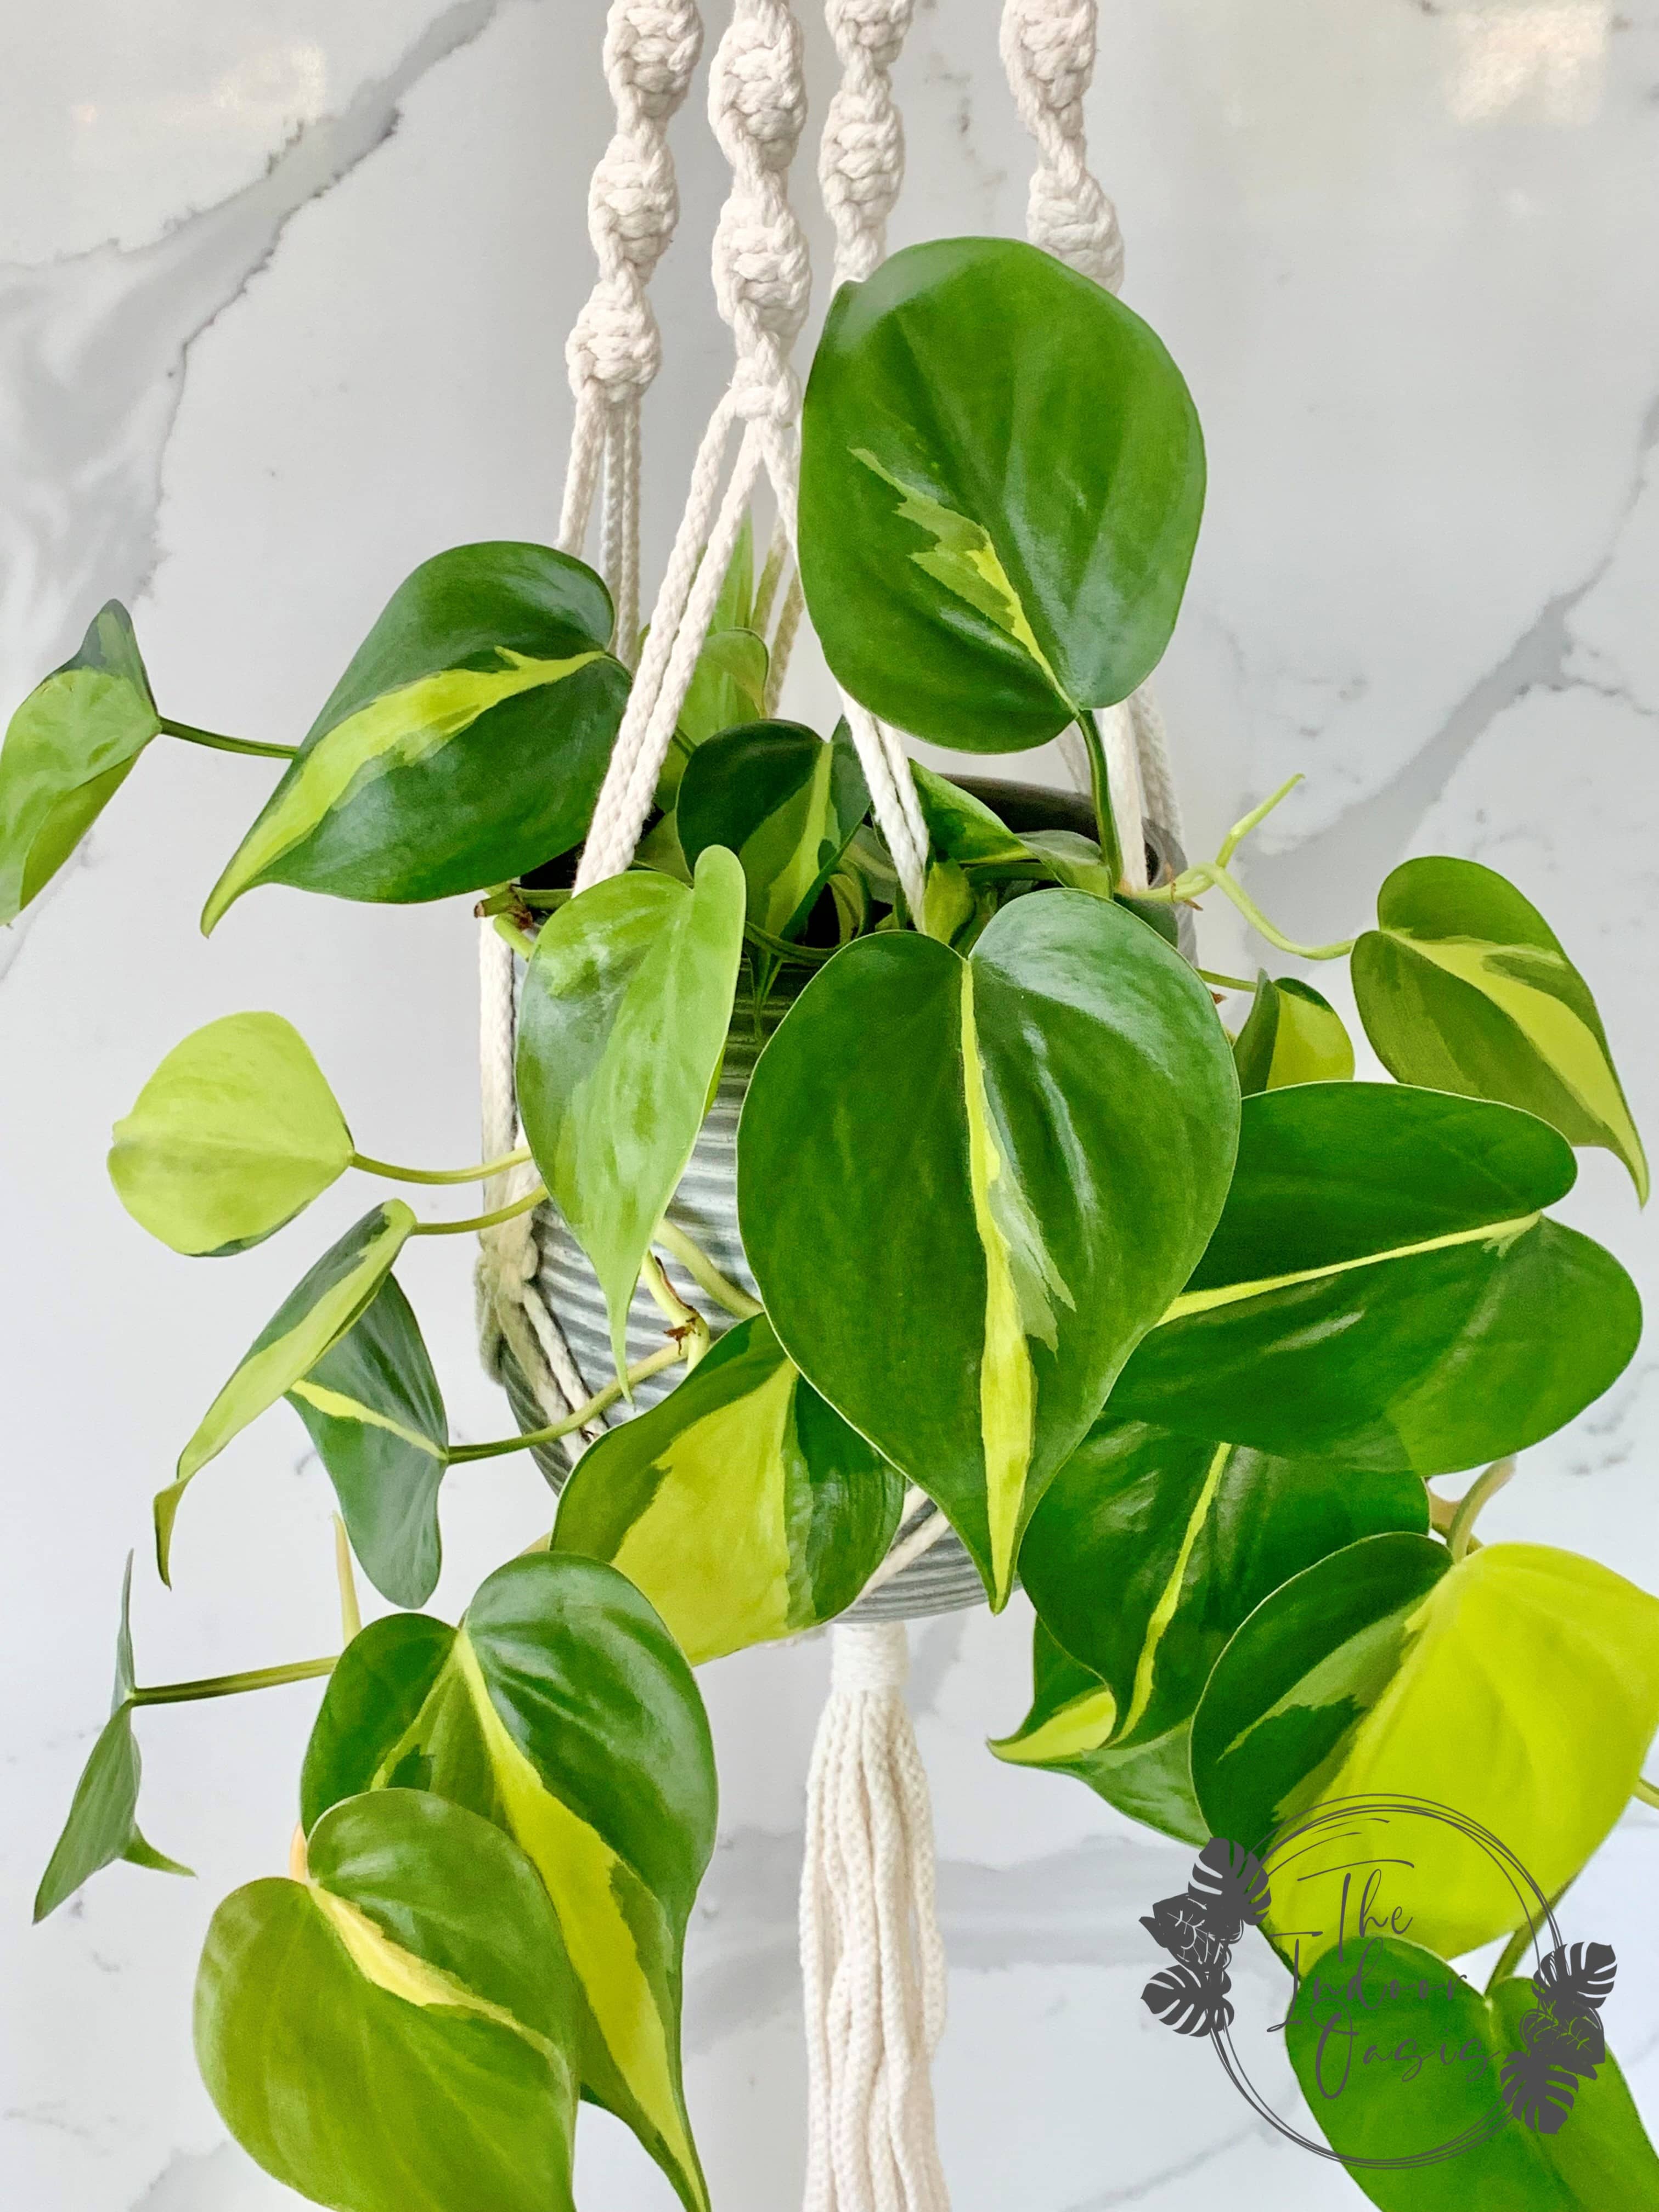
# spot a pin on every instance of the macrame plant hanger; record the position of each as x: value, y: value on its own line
x: 872, y: 1961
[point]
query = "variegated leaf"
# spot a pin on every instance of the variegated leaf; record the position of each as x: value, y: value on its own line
x: 785, y: 802
x: 1291, y: 1034
x: 464, y: 745
x: 743, y: 1506
x: 563, y: 1710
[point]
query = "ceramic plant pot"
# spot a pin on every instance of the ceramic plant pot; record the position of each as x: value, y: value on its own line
x: 944, y: 1578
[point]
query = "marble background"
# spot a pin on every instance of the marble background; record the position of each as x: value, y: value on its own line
x: 284, y: 287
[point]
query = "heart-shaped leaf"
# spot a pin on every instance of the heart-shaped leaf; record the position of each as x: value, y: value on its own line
x: 967, y: 1187
x: 743, y: 1506
x: 1520, y: 1688
x: 1383, y: 1290
x: 622, y: 1031
x: 376, y: 1415
x: 69, y: 749
x: 961, y: 828
x: 1291, y: 1034
x: 396, y: 2033
x: 464, y: 745
x: 318, y: 1310
x: 1001, y: 479
x: 785, y: 802
x: 1149, y: 1549
x: 563, y: 1710
x: 1463, y: 986
x: 1397, y: 2054
x: 103, y: 1817
x: 235, y: 1132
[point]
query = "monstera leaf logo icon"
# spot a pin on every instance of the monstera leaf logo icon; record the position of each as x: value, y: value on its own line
x: 1227, y: 1893
x: 1562, y: 2041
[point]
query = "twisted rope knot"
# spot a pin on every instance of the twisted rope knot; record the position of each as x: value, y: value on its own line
x: 1049, y: 53
x: 651, y: 50
x: 762, y: 275
x: 876, y: 28
x: 861, y: 160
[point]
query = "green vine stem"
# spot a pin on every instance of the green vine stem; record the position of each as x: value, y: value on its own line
x: 510, y: 934
x: 1111, y: 845
x: 654, y: 1363
x: 784, y: 949
x: 1646, y: 1791
x: 704, y: 1273
x: 685, y: 1324
x: 1221, y: 983
x: 1487, y: 1484
x: 1215, y: 875
x: 218, y: 744
x: 351, y: 1613
x: 484, y: 1172
x: 232, y: 1685
x: 477, y: 1221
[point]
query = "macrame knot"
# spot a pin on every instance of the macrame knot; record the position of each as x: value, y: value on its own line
x: 651, y: 50
x: 1049, y: 53
x: 861, y: 161
x: 762, y: 276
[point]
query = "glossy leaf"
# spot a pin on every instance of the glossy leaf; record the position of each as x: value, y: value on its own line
x: 727, y: 686
x: 622, y: 1031
x: 1001, y: 479
x: 1519, y: 1687
x: 785, y: 802
x: 103, y: 1817
x: 1384, y: 1289
x: 69, y: 749
x: 743, y: 1506
x: 1412, y: 2059
x: 464, y: 745
x: 396, y: 2033
x: 967, y: 1187
x: 235, y: 1132
x: 1291, y: 1034
x: 961, y: 828
x: 314, y: 1316
x: 376, y: 1415
x: 1463, y: 986
x: 1068, y: 1730
x: 1149, y: 1549
x: 563, y: 1710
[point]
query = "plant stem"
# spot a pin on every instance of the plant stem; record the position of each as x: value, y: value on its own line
x: 232, y: 1685
x: 485, y: 1172
x: 642, y: 1368
x: 1224, y: 982
x: 1485, y: 1485
x: 482, y: 1220
x: 1208, y: 876
x: 351, y: 1613
x: 211, y: 738
x: 783, y: 948
x: 703, y: 1271
x: 1257, y: 815
x: 685, y: 1324
x: 511, y: 934
x: 1646, y: 1791
x: 1111, y: 846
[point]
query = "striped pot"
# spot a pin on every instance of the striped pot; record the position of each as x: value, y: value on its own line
x: 944, y: 1578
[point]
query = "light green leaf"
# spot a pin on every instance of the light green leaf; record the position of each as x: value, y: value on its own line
x: 396, y: 2033
x: 1396, y: 2054
x: 314, y: 1317
x: 235, y: 1132
x: 1519, y: 1687
x: 743, y: 1506
x: 727, y: 686
x: 563, y: 1710
x: 1291, y: 1035
x: 961, y: 827
x: 464, y: 745
x: 375, y: 1414
x: 620, y: 1035
x: 69, y: 749
x: 949, y: 906
x: 785, y: 802
x: 1383, y: 1288
x: 103, y: 1825
x: 1463, y: 986
x: 1001, y: 479
x: 968, y: 1187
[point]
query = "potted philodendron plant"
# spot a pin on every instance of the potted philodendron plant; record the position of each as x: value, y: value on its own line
x: 1174, y: 1326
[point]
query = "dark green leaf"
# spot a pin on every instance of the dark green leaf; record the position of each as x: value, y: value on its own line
x: 563, y: 1710
x: 376, y: 1416
x: 102, y: 1825
x: 398, y: 2032
x: 620, y: 1035
x: 743, y: 1506
x: 1396, y: 2055
x: 69, y: 749
x: 785, y: 802
x: 464, y: 745
x: 314, y: 1316
x: 1001, y: 479
x: 1383, y: 1290
x: 1463, y: 986
x: 968, y: 1187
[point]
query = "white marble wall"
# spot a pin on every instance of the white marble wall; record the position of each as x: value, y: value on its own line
x: 283, y: 286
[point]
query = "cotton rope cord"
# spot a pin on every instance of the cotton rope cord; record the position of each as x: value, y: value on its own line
x: 872, y: 1965
x: 1048, y: 52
